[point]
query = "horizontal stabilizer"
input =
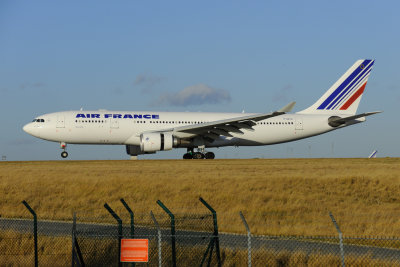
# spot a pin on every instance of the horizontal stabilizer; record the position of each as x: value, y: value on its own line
x: 336, y: 121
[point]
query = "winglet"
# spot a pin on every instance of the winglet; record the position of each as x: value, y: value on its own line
x: 288, y: 107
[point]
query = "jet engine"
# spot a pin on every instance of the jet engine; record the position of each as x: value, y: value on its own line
x: 135, y: 150
x: 151, y: 142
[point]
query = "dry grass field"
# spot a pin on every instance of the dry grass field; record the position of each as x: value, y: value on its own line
x: 277, y: 196
x: 16, y: 249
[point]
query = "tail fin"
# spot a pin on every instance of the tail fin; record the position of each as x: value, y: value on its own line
x: 373, y: 154
x: 345, y: 94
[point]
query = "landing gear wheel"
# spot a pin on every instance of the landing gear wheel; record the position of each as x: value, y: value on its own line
x: 198, y: 155
x: 64, y: 154
x: 210, y: 155
x: 187, y: 156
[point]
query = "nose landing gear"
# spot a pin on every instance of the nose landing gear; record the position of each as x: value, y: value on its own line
x: 64, y: 154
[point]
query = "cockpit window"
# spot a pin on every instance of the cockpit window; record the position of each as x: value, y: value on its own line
x: 38, y: 120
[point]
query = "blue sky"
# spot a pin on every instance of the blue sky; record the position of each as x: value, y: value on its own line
x: 149, y: 55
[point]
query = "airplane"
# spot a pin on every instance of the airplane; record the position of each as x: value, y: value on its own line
x: 150, y: 132
x: 373, y: 154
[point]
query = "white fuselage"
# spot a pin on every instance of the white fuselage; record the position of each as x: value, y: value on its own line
x: 149, y: 132
x: 125, y: 127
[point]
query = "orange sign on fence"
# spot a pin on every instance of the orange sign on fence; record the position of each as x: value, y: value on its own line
x: 134, y: 250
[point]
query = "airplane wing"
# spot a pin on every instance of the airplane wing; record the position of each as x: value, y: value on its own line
x: 337, y: 121
x: 212, y: 130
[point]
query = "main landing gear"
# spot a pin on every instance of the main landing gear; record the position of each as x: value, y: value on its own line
x: 198, y: 155
x: 64, y: 154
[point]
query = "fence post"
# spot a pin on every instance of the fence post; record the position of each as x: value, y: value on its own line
x: 159, y: 237
x: 34, y: 230
x: 340, y: 238
x: 172, y: 230
x: 248, y: 239
x: 216, y: 238
x: 73, y: 240
x: 118, y: 219
x: 132, y: 217
x: 132, y: 221
x: 76, y: 251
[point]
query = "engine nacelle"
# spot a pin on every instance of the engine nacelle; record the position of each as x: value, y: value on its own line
x: 135, y: 150
x: 151, y: 142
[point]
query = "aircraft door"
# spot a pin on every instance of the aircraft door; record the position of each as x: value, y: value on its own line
x: 299, y: 123
x: 114, y: 124
x: 60, y: 121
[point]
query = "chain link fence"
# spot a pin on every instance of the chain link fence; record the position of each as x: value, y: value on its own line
x: 180, y: 240
x: 17, y: 243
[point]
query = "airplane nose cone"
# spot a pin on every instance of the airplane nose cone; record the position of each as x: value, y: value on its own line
x: 30, y: 129
x: 27, y: 128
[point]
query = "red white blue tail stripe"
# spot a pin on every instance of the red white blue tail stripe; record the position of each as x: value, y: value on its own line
x: 373, y: 154
x: 350, y: 89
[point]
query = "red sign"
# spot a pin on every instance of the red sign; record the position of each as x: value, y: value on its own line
x: 134, y: 250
